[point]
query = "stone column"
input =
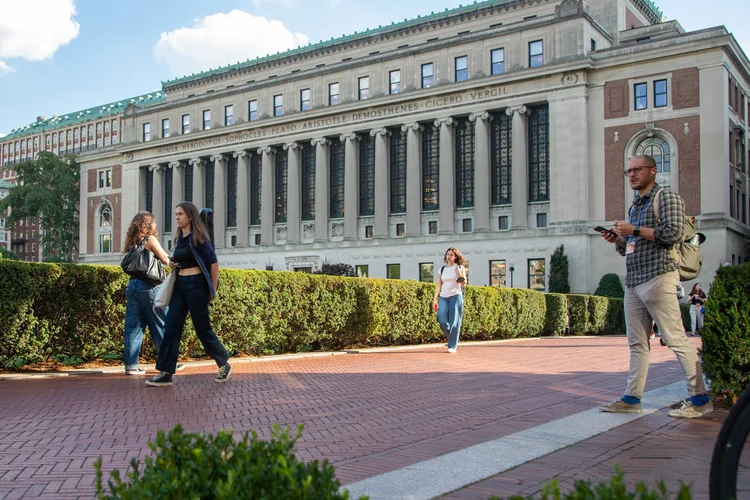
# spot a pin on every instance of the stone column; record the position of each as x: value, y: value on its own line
x: 351, y: 185
x: 220, y: 200
x: 569, y: 180
x: 413, y: 178
x: 447, y: 186
x: 520, y: 168
x: 321, y: 189
x: 198, y: 185
x: 267, y: 195
x: 293, y: 192
x: 482, y: 179
x: 157, y: 197
x: 243, y: 191
x: 178, y: 188
x: 382, y: 193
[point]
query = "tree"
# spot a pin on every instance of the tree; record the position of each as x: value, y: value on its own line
x: 7, y: 254
x: 48, y: 190
x: 558, y: 271
x: 610, y: 286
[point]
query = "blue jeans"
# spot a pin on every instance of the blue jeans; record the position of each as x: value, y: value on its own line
x: 191, y: 295
x: 139, y: 313
x: 449, y: 315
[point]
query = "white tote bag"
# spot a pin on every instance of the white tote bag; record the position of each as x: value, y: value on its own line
x: 164, y: 295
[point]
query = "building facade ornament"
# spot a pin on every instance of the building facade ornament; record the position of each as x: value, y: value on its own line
x: 240, y: 154
x: 482, y: 115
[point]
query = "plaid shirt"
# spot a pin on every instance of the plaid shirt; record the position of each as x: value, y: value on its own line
x: 654, y: 258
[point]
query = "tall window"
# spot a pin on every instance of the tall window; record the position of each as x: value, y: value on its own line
x: 536, y: 54
x: 232, y: 191
x: 428, y: 75
x: 427, y: 272
x: 278, y: 105
x: 229, y: 114
x: 208, y: 193
x: 206, y: 119
x: 105, y: 178
x: 308, y: 183
x: 149, y: 190
x: 430, y: 167
x: 185, y: 124
x: 336, y: 210
x: 114, y: 125
x: 462, y: 68
x: 333, y: 94
x: 304, y: 100
x: 252, y: 110
x: 501, y: 158
x: 105, y: 229
x: 146, y: 132
x: 497, y: 273
x: 363, y: 84
x: 165, y: 128
x: 394, y: 78
x: 536, y: 274
x: 539, y: 153
x: 282, y: 162
x: 464, y: 163
x: 398, y: 171
x: 256, y: 164
x: 367, y: 175
x: 168, y: 176
x: 188, y: 186
x: 660, y: 93
x: 498, y: 61
x: 641, y: 96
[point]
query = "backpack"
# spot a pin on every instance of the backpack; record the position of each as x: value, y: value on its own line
x: 688, y: 252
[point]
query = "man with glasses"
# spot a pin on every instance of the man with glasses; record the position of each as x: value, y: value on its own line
x: 647, y: 241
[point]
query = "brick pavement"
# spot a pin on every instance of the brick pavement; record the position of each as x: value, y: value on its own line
x: 367, y: 413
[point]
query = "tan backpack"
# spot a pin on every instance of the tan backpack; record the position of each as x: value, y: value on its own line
x: 688, y: 252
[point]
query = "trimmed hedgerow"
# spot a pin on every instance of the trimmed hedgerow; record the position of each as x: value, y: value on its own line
x: 556, y: 322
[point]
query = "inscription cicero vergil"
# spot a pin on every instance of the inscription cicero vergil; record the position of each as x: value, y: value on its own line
x: 341, y: 119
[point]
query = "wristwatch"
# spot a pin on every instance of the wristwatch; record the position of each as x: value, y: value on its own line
x: 636, y: 231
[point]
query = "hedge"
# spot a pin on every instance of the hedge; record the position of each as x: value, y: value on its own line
x: 70, y: 311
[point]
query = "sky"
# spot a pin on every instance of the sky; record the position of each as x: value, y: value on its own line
x: 61, y: 56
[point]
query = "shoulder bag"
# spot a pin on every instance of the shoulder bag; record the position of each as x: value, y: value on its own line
x: 142, y: 264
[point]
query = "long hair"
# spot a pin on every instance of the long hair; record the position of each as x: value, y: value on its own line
x: 198, y: 229
x: 460, y: 260
x: 143, y: 224
x: 701, y: 294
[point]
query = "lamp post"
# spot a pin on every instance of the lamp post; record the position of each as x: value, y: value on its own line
x: 511, y: 268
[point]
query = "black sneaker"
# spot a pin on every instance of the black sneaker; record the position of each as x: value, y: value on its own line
x: 225, y: 371
x: 163, y: 378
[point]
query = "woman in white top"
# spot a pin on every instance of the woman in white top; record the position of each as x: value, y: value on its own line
x: 450, y: 287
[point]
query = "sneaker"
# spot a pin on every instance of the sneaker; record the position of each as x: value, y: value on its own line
x: 225, y: 371
x: 180, y: 367
x: 163, y: 378
x: 687, y: 410
x: 620, y: 406
x: 451, y: 350
x: 135, y: 371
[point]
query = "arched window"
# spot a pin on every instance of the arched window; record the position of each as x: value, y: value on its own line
x: 76, y: 135
x: 104, y: 227
x: 91, y: 131
x: 659, y: 150
x: 114, y: 125
x: 98, y: 128
x: 70, y: 135
x: 106, y: 127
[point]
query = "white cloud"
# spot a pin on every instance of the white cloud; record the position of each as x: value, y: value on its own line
x: 35, y: 29
x: 221, y: 39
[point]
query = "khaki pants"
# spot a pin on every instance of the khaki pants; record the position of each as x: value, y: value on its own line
x: 656, y: 300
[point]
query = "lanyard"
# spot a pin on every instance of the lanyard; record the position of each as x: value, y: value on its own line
x: 640, y: 216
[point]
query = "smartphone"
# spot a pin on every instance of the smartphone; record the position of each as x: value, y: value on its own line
x: 460, y: 279
x: 605, y: 230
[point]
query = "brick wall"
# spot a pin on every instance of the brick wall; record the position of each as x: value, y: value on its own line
x: 616, y: 99
x: 117, y: 177
x: 92, y: 181
x: 685, y: 89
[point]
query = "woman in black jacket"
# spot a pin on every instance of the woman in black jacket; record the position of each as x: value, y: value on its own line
x: 696, y: 299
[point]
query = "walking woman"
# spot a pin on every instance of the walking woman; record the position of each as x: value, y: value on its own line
x: 139, y: 294
x: 450, y: 286
x: 696, y: 299
x: 195, y: 262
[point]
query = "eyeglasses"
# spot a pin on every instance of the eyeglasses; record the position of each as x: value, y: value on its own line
x: 634, y: 170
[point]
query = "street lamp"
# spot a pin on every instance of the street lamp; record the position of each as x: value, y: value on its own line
x: 511, y: 268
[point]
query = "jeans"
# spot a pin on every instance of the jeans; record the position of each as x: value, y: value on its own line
x: 139, y: 313
x: 191, y: 295
x: 656, y: 300
x: 449, y: 315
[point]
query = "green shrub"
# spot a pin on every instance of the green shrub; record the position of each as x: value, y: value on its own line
x: 218, y: 467
x: 558, y: 271
x: 726, y: 333
x: 578, y: 310
x: 556, y: 321
x: 610, y: 286
x: 615, y: 322
x: 685, y: 314
x: 597, y: 314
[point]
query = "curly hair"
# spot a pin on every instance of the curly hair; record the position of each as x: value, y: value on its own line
x: 142, y: 225
x: 460, y: 259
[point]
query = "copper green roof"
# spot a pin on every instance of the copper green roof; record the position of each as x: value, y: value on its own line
x: 654, y: 14
x: 6, y: 185
x: 85, y: 115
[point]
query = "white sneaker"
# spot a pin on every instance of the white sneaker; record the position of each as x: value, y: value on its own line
x: 451, y: 350
x: 135, y: 371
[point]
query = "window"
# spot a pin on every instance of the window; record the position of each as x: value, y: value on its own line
x: 430, y: 167
x: 660, y: 93
x: 536, y: 54
x: 231, y: 199
x: 185, y: 124
x: 278, y: 105
x: 497, y: 273
x: 400, y: 229
x: 165, y: 128
x: 464, y: 174
x: 428, y: 75
x: 393, y: 271
x: 336, y: 172
x: 105, y: 178
x: 593, y: 45
x: 206, y: 119
x: 146, y: 132
x: 432, y: 227
x: 394, y: 77
x: 398, y: 171
x: 501, y: 158
x: 106, y: 129
x: 282, y: 162
x: 256, y: 166
x: 367, y: 176
x: 498, y: 61
x: 466, y: 225
x: 536, y: 274
x: 104, y: 223
x: 659, y: 150
x: 539, y: 153
x: 363, y: 84
x: 187, y: 187
x: 363, y: 271
x: 541, y: 220
x: 229, y: 115
x: 308, y: 183
x: 368, y: 232
x: 462, y: 68
x: 333, y: 94
x: 426, y: 272
x: 303, y: 269
x: 304, y: 97
x: 114, y: 125
x: 252, y: 110
x: 641, y: 96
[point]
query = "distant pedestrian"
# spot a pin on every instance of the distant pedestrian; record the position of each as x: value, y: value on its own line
x: 195, y: 262
x: 647, y: 241
x: 449, y: 298
x: 697, y: 301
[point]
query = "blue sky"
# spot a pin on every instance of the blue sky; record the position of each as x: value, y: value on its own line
x: 59, y: 56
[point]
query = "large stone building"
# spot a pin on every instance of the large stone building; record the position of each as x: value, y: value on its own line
x: 501, y: 128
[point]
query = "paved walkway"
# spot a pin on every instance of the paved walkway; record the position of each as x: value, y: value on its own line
x: 369, y: 413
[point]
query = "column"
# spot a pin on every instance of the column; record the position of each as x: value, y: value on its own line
x: 293, y: 192
x: 267, y: 195
x: 447, y: 189
x: 178, y: 188
x: 157, y: 196
x: 198, y: 186
x: 220, y: 200
x: 382, y: 197
x: 413, y: 178
x: 482, y: 181
x: 568, y: 159
x: 243, y: 191
x: 321, y: 189
x: 520, y: 168
x: 351, y: 185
